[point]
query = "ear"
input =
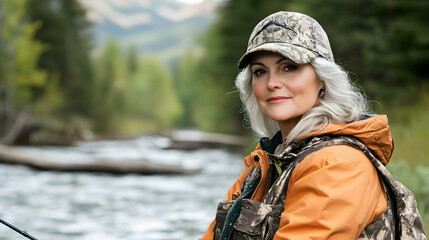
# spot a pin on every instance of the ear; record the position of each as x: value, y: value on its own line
x: 322, y: 85
x: 321, y: 89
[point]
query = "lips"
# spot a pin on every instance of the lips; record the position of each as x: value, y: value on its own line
x: 277, y: 99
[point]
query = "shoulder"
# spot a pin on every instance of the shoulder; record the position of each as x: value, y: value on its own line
x: 336, y: 154
x: 336, y: 161
x: 333, y: 193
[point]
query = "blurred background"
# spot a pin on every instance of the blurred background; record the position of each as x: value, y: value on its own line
x: 96, y: 80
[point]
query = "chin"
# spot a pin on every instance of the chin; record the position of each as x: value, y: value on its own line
x: 279, y: 118
x: 285, y: 118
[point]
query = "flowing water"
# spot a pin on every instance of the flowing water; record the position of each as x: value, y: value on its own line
x: 88, y: 206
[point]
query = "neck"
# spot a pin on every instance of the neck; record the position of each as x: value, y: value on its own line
x: 287, y: 126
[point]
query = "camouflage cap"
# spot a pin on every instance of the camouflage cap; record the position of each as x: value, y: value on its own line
x: 293, y: 35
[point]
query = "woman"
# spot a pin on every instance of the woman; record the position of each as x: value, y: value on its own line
x: 293, y: 91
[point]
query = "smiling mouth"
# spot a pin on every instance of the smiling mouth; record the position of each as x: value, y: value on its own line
x: 277, y: 99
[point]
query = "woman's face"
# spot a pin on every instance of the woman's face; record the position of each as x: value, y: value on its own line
x: 283, y: 89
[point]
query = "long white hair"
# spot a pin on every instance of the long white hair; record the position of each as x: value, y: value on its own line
x: 342, y: 102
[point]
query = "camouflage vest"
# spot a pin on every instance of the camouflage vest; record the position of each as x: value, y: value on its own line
x: 260, y: 220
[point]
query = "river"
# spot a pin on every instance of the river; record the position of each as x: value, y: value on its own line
x: 88, y: 206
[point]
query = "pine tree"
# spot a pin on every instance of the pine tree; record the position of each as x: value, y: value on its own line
x: 19, y: 52
x: 108, y: 104
x: 65, y: 31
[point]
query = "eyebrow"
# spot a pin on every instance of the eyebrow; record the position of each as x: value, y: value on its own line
x: 277, y: 62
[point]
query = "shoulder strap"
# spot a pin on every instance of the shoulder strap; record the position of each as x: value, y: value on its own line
x: 288, y: 158
x: 408, y: 221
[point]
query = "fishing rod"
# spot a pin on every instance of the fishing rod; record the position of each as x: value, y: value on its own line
x: 24, y: 233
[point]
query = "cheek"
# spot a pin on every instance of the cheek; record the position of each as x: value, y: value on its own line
x: 258, y: 90
x: 308, y: 88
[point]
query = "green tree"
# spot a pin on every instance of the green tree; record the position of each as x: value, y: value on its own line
x: 19, y: 53
x: 127, y: 88
x: 109, y: 97
x: 64, y: 29
x: 155, y: 94
x: 132, y: 59
x: 187, y: 83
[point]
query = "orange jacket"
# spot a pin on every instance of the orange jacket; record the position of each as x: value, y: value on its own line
x: 333, y: 193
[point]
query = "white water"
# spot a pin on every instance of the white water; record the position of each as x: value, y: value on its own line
x: 85, y: 206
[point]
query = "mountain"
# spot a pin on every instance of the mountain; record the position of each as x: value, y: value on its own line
x: 165, y: 28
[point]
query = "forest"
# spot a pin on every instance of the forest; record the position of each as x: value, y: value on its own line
x: 51, y: 80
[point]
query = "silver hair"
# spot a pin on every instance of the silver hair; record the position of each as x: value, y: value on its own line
x: 343, y: 102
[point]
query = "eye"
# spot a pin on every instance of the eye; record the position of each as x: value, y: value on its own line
x: 289, y: 67
x: 259, y: 72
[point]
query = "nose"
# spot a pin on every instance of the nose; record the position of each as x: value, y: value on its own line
x: 274, y: 82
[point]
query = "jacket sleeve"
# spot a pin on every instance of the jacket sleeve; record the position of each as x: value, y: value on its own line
x: 332, y: 194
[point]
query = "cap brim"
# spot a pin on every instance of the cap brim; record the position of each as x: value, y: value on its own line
x: 295, y: 53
